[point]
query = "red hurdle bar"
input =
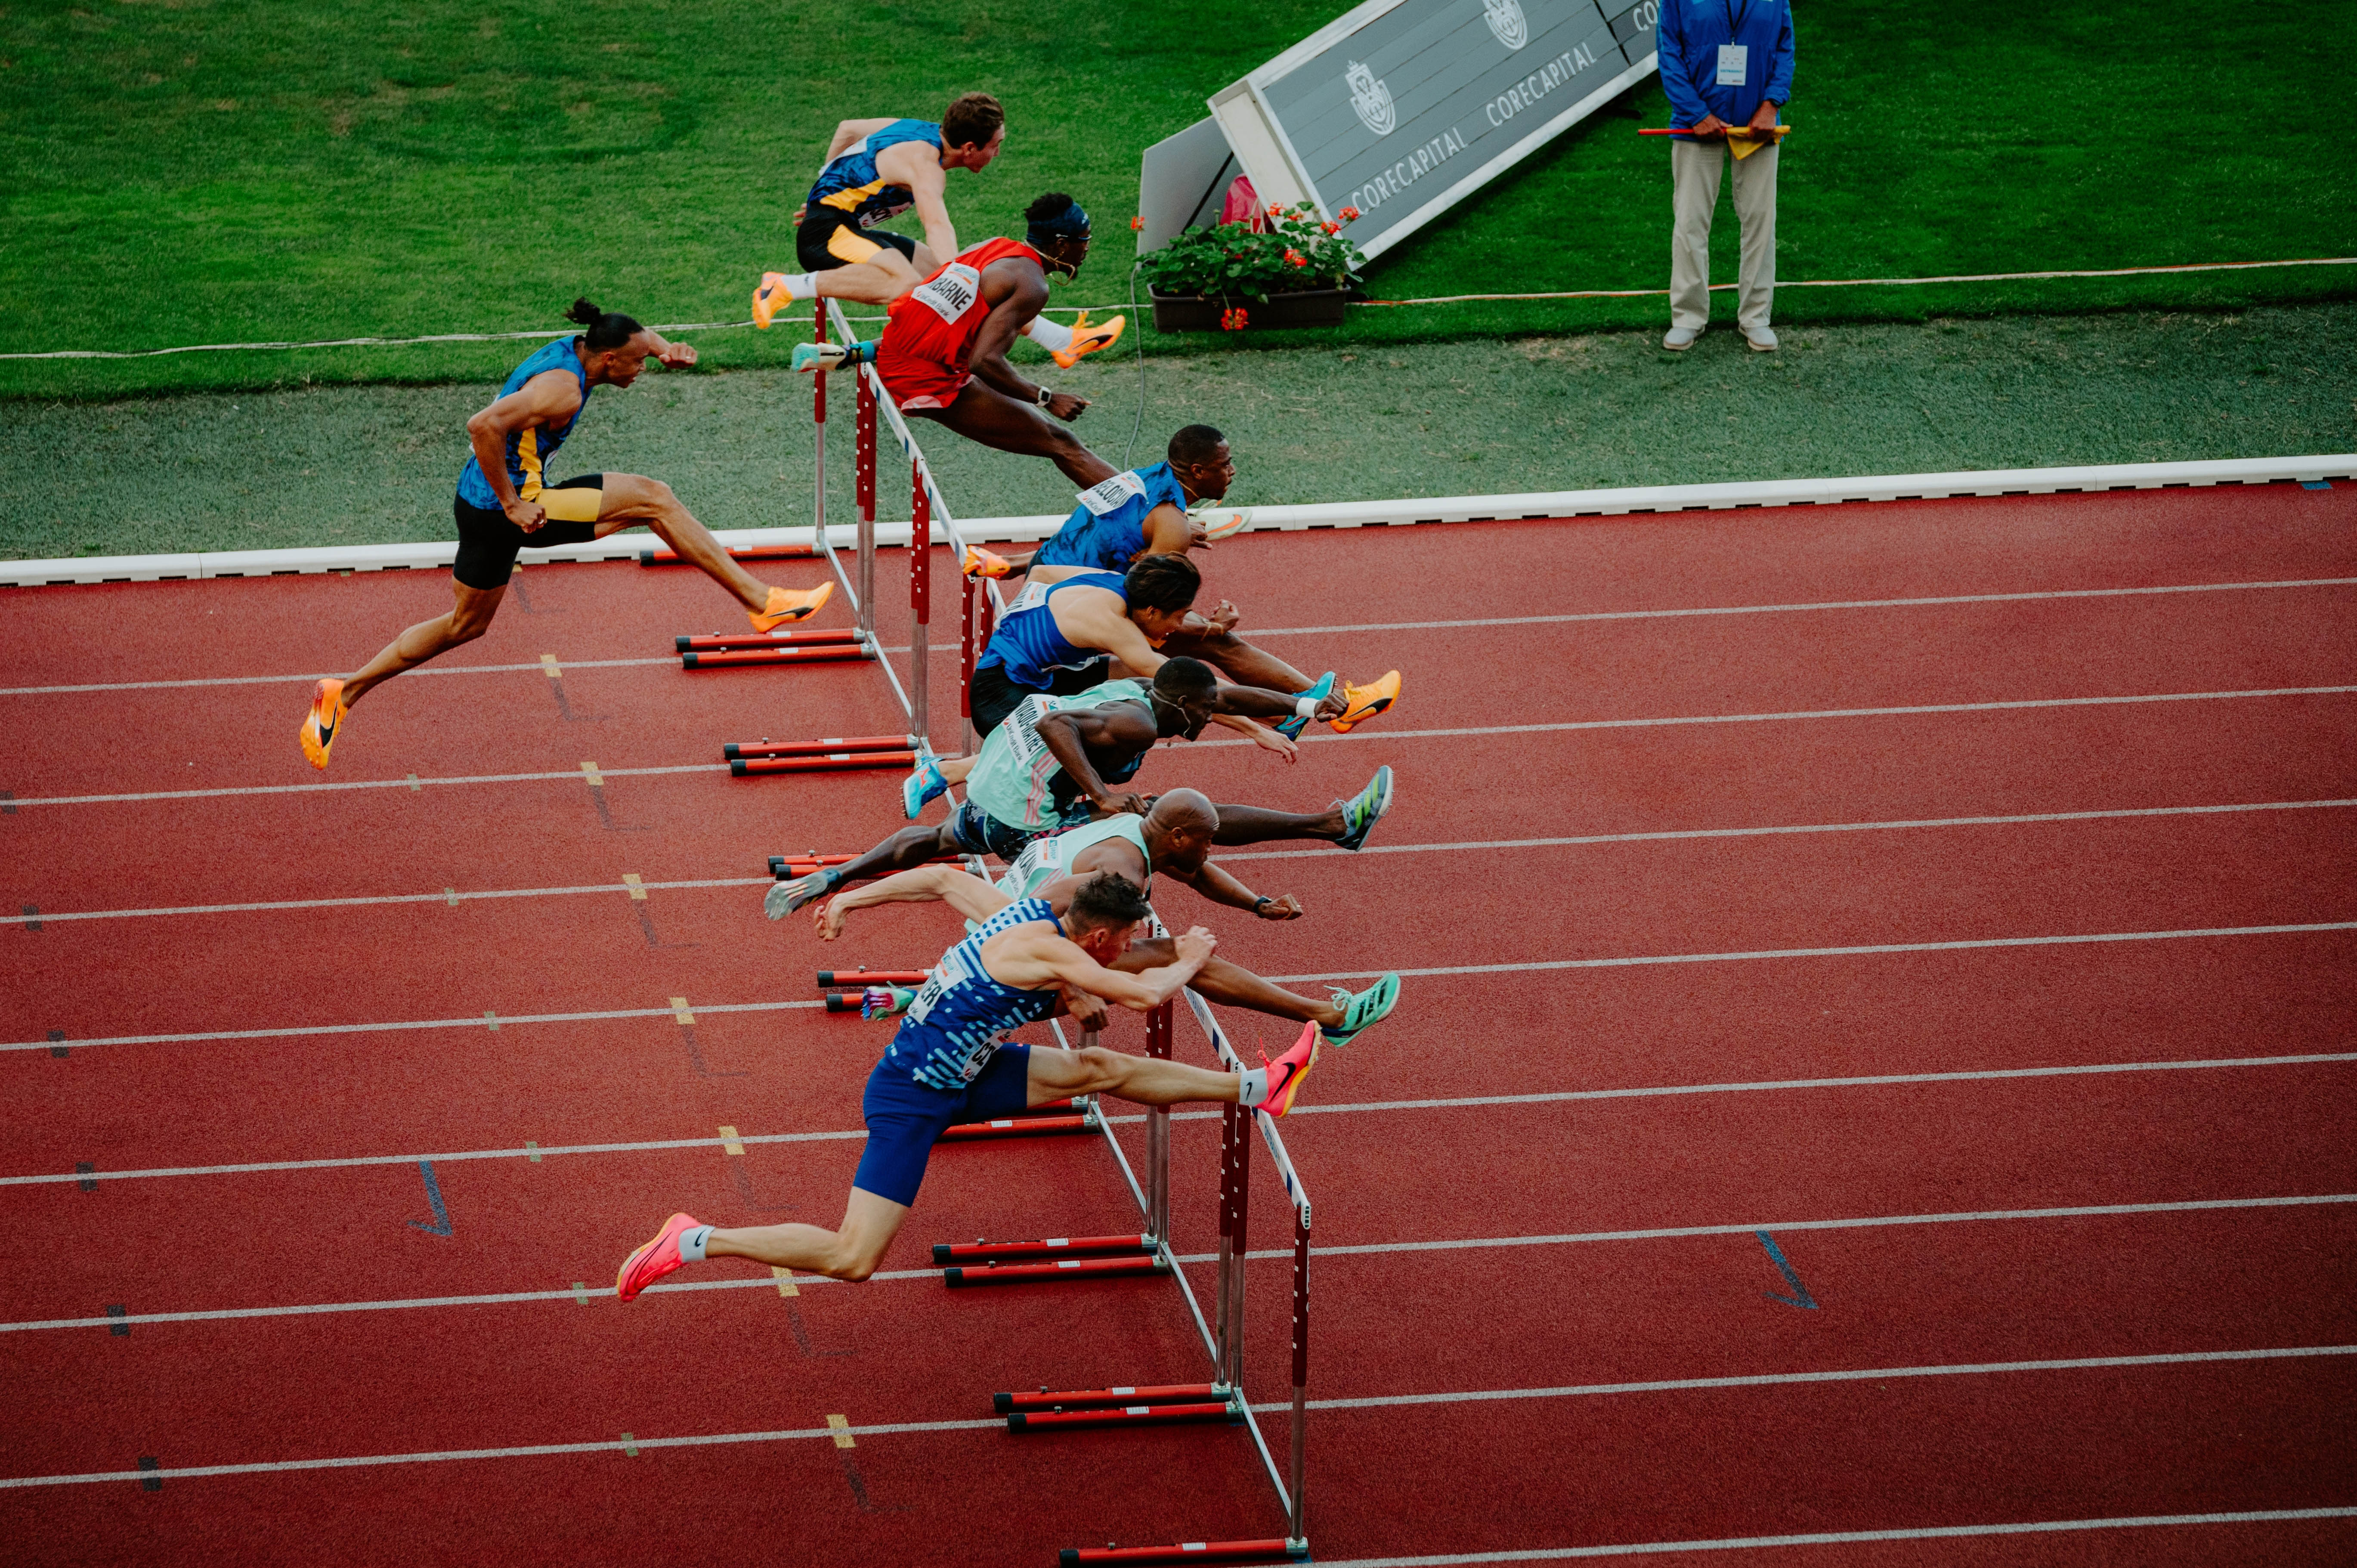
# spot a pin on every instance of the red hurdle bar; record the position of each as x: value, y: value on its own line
x: 828, y: 977
x: 920, y: 593
x: 1028, y: 1252
x: 832, y: 762
x: 663, y: 555
x: 821, y: 747
x: 863, y: 486
x: 752, y: 657
x: 1127, y: 1415
x: 1190, y: 1552
x: 720, y: 640
x: 1070, y: 1269
x: 1008, y: 1126
x: 1086, y: 1399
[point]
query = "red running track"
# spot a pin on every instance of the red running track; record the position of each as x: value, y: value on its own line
x: 2070, y: 1224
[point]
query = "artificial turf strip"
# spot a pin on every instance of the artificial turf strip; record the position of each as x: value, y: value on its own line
x: 244, y: 171
x: 366, y: 466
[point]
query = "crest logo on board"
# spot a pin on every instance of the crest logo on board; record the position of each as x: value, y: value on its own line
x: 1372, y: 99
x: 1506, y: 20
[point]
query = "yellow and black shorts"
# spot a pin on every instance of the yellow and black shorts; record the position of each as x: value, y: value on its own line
x: 488, y: 541
x: 830, y: 237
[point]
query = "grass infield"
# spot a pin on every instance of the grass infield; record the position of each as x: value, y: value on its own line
x: 238, y: 170
x: 376, y: 465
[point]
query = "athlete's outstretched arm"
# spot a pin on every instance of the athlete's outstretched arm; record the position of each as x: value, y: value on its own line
x: 1170, y: 532
x: 1097, y: 621
x: 1015, y: 290
x: 1140, y: 993
x: 1221, y: 888
x: 969, y: 896
x: 1117, y: 726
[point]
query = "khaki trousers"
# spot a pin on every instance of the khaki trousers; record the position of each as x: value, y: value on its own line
x: 1694, y: 169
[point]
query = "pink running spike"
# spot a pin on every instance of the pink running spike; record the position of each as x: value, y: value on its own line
x: 1286, y: 1072
x: 653, y: 1261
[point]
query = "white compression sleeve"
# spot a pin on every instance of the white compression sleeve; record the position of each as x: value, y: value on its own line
x: 1047, y: 335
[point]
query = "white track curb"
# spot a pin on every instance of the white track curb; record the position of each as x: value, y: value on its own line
x: 1281, y: 518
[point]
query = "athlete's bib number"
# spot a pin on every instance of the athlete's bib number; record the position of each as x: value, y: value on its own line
x: 1114, y: 492
x: 952, y: 293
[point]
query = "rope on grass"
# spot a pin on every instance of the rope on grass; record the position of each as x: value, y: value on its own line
x: 1067, y: 309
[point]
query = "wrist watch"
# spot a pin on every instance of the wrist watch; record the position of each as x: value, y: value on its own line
x: 1044, y: 395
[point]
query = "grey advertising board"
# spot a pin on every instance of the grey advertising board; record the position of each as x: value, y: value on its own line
x: 1402, y: 108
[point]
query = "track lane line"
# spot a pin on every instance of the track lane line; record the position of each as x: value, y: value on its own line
x: 1360, y: 734
x: 1532, y: 966
x: 1669, y: 1233
x: 1848, y: 1537
x: 1672, y: 614
x: 450, y: 896
x: 1765, y: 1379
x: 1471, y: 1101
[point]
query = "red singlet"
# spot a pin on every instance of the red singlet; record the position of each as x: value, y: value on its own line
x: 931, y: 328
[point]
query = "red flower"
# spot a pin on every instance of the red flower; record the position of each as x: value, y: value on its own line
x: 1274, y: 211
x: 1331, y: 227
x: 1232, y: 320
x: 1296, y: 259
x: 1349, y: 215
x: 1137, y: 222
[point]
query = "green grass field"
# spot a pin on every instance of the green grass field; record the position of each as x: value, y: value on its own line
x: 194, y: 171
x: 375, y: 465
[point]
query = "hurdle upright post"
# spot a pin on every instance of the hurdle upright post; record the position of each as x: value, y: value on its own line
x: 1300, y: 1533
x: 1157, y: 1134
x: 864, y: 498
x: 1227, y: 1248
x: 921, y: 575
x: 818, y: 421
x: 965, y: 667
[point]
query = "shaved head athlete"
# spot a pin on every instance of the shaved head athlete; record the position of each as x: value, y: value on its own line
x: 1175, y: 835
x: 944, y: 352
x: 506, y: 503
x: 950, y: 1062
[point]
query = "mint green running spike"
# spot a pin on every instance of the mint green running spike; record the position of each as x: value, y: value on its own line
x: 1364, y: 810
x: 1365, y: 1010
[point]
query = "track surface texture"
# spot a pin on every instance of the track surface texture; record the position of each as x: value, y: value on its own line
x: 1874, y: 1075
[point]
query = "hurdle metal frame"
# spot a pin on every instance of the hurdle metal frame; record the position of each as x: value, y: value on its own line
x: 1222, y: 1334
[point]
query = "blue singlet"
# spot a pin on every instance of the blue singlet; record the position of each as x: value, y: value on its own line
x: 1107, y: 529
x: 961, y: 1014
x: 530, y: 449
x: 849, y: 182
x: 1026, y: 644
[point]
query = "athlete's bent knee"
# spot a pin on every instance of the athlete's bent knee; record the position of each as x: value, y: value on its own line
x: 1105, y: 1068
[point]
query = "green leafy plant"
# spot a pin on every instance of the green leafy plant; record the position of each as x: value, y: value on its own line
x: 1297, y: 253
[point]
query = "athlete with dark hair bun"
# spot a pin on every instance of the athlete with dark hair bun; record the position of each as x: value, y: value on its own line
x: 506, y: 503
x: 944, y: 352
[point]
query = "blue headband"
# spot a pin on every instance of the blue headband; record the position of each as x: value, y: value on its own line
x: 1072, y: 222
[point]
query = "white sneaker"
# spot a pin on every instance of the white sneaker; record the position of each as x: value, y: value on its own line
x: 1763, y: 339
x: 1679, y: 338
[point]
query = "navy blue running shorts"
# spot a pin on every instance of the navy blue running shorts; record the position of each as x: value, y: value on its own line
x: 906, y: 1118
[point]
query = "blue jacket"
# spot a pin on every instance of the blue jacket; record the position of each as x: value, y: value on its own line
x: 1688, y: 36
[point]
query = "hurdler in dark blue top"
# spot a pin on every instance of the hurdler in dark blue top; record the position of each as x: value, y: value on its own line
x: 529, y: 449
x: 1699, y: 75
x: 1107, y: 529
x: 850, y: 184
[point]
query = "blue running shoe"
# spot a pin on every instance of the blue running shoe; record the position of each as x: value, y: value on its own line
x: 786, y: 897
x: 1363, y: 1011
x: 925, y: 785
x: 1361, y: 812
x: 1291, y: 728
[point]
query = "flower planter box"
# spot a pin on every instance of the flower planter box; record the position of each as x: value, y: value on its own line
x: 1202, y: 313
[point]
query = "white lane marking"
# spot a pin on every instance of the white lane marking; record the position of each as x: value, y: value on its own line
x: 1749, y: 1227
x: 1318, y: 630
x: 1536, y: 966
x: 1849, y: 1537
x: 407, y: 781
x: 1793, y: 608
x: 1891, y: 826
x: 1362, y: 733
x: 537, y: 1450
x: 1379, y: 733
x: 1531, y: 967
x: 1847, y: 1375
x: 1551, y: 1097
x: 397, y: 1025
x: 450, y: 896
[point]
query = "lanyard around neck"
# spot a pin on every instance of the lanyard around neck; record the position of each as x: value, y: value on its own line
x: 1735, y: 19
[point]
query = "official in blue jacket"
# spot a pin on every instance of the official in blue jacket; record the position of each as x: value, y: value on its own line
x: 1726, y: 66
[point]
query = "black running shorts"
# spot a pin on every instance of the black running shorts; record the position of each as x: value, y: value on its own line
x: 828, y: 238
x: 488, y: 541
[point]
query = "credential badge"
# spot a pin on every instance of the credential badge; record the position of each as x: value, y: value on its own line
x: 1507, y: 22
x: 1372, y: 99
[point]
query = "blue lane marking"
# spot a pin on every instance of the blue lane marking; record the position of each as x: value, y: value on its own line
x: 2316, y: 484
x: 1800, y: 1296
x: 441, y: 1226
